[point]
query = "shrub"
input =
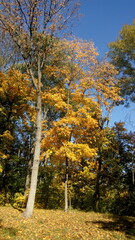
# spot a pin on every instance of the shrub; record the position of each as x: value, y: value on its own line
x: 2, y: 199
x: 18, y: 200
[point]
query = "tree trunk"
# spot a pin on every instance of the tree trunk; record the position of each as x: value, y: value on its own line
x: 97, y: 187
x: 70, y: 203
x: 66, y: 187
x: 34, y: 177
x: 27, y: 183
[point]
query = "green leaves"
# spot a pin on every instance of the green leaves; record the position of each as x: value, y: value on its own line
x: 122, y: 54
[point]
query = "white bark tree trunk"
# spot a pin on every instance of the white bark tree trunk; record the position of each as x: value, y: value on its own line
x: 34, y: 177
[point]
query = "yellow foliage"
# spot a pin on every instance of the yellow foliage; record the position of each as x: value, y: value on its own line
x: 1, y: 169
x: 3, y: 156
x: 124, y: 194
x: 87, y: 86
x: 18, y: 200
x: 16, y: 87
x: 7, y: 135
x: 56, y: 97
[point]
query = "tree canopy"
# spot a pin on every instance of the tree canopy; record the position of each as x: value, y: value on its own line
x: 122, y: 54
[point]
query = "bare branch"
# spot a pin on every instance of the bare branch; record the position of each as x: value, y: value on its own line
x: 22, y: 12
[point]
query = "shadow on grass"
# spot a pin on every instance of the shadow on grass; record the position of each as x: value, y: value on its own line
x: 7, y: 231
x: 116, y: 223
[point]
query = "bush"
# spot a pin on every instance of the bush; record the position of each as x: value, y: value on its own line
x: 119, y: 204
x: 2, y: 199
x: 18, y: 201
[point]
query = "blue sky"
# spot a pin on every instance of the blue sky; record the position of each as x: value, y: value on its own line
x: 101, y: 22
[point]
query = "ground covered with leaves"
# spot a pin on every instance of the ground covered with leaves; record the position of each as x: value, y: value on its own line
x: 57, y: 225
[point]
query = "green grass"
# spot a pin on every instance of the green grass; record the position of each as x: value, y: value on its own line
x: 57, y: 225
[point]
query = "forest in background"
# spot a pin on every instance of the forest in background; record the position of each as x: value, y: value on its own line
x: 55, y: 101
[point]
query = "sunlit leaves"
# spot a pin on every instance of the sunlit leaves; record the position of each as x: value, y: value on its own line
x: 87, y: 85
x: 16, y: 95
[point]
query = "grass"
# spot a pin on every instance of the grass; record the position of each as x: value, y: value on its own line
x: 57, y: 225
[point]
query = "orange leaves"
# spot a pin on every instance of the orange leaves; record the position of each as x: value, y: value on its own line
x: 6, y: 139
x: 105, y: 84
x: 75, y: 63
x: 14, y: 83
x: 88, y: 172
x: 55, y: 97
x: 97, y: 78
x: 83, y: 52
x: 86, y: 87
x: 16, y: 88
x: 63, y: 138
x: 16, y: 95
x: 75, y: 152
x: 79, y: 87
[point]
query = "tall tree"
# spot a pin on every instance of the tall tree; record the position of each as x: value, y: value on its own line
x: 31, y: 24
x: 122, y: 54
x: 88, y: 88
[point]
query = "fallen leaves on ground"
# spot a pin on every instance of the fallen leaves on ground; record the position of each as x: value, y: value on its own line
x: 58, y: 225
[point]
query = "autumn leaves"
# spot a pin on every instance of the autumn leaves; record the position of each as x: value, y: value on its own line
x: 84, y: 87
x: 63, y: 87
x: 75, y: 91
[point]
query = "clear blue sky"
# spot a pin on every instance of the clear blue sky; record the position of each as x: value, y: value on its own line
x: 101, y: 22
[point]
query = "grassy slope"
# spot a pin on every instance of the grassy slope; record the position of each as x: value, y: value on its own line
x: 57, y: 225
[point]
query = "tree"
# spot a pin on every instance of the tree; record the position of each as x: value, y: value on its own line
x: 123, y: 57
x: 31, y: 25
x: 16, y: 96
x: 117, y: 185
x: 88, y: 89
